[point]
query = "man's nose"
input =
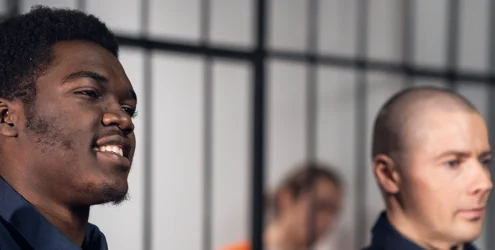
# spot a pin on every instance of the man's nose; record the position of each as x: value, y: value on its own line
x: 118, y: 117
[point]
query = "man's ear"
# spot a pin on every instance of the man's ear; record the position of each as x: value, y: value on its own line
x: 8, y: 118
x: 386, y: 173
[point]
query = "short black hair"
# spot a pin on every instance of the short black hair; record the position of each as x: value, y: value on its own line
x: 26, y: 43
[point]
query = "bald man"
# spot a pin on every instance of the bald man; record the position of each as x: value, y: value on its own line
x: 431, y: 154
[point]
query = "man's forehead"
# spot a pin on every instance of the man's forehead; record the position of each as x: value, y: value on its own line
x: 82, y: 52
x: 73, y: 56
x: 440, y: 131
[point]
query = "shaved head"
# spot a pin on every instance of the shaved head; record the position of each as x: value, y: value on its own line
x: 406, y: 110
x: 431, y: 158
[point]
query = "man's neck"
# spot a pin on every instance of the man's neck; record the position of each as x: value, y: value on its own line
x: 71, y: 221
x: 420, y: 236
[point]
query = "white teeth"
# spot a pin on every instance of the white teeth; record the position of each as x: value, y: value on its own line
x: 111, y: 148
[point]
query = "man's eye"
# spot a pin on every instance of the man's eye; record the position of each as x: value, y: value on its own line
x: 486, y: 162
x: 453, y: 164
x: 132, y: 112
x: 89, y: 93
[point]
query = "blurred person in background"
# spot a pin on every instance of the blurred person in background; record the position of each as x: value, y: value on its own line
x: 431, y: 154
x: 313, y: 189
x: 66, y: 131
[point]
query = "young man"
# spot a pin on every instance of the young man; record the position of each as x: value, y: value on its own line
x: 313, y: 186
x: 430, y: 158
x: 66, y: 130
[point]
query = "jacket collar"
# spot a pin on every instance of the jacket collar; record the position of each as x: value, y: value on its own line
x: 36, y: 229
x: 385, y: 236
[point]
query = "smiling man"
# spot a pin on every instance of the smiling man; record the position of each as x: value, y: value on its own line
x: 66, y: 130
x: 431, y: 154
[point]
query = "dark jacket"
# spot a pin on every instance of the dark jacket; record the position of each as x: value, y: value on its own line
x: 386, y: 237
x: 23, y: 227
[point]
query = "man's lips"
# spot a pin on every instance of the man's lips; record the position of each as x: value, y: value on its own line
x: 116, y: 149
x: 114, y: 160
x: 473, y: 213
x: 114, y: 144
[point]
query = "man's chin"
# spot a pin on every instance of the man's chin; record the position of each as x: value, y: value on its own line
x: 115, y: 197
x: 469, y: 232
x: 118, y: 200
x: 111, y: 194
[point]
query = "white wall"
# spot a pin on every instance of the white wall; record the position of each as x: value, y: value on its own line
x: 178, y: 106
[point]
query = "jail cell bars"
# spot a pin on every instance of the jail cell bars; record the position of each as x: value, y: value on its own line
x: 262, y: 86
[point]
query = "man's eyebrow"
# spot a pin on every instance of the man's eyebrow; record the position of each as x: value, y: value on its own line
x: 464, y: 153
x: 86, y: 74
x: 98, y: 78
x: 454, y: 152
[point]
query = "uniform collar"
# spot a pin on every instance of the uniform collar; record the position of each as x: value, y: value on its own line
x: 36, y: 229
x: 385, y: 236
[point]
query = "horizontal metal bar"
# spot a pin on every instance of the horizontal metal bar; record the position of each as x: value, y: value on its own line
x: 184, y: 48
x: 338, y: 61
x: 376, y: 65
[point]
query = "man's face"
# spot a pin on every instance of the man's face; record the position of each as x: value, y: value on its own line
x: 446, y: 181
x: 327, y: 201
x: 79, y: 130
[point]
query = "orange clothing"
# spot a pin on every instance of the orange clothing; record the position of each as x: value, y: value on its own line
x: 239, y: 246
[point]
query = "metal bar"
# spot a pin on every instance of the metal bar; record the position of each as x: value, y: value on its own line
x: 208, y: 154
x: 208, y: 129
x: 148, y: 152
x: 14, y: 7
x: 376, y: 65
x: 331, y: 60
x: 360, y: 112
x: 490, y: 220
x: 184, y: 48
x: 205, y: 21
x: 311, y: 87
x: 148, y: 133
x: 311, y: 107
x: 452, y: 41
x: 81, y: 5
x: 408, y: 38
x: 258, y: 145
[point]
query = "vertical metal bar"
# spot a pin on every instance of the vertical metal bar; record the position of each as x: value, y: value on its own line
x: 81, y: 5
x: 361, y: 100
x: 452, y: 41
x: 14, y: 7
x: 490, y: 220
x: 311, y: 85
x: 148, y: 151
x: 408, y: 39
x: 148, y: 133
x: 311, y: 105
x: 208, y: 154
x: 258, y: 145
x: 208, y: 129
